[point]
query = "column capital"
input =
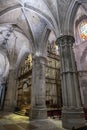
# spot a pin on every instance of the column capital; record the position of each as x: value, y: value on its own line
x: 40, y: 58
x: 65, y: 40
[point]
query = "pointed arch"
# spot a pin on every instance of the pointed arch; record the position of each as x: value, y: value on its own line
x: 70, y: 16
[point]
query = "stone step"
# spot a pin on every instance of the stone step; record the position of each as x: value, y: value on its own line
x: 20, y: 113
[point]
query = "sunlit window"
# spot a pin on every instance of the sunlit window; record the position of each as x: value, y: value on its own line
x: 83, y: 30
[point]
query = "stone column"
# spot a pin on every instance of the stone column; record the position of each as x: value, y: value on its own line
x: 10, y: 99
x: 72, y: 112
x: 38, y: 89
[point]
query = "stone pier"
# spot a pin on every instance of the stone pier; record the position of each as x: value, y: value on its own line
x: 72, y: 112
x: 38, y: 89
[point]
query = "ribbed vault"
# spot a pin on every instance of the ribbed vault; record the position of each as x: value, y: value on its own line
x: 35, y: 19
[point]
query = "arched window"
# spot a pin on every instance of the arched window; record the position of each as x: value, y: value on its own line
x: 83, y: 30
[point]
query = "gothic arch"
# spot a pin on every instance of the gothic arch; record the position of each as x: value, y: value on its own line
x: 76, y: 28
x: 70, y: 16
x: 48, y: 18
x: 83, y: 17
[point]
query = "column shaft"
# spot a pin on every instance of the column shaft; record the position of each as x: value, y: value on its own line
x: 10, y: 99
x: 38, y: 91
x: 72, y: 112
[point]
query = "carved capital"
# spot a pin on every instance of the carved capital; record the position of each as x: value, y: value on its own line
x: 65, y: 40
x: 40, y: 59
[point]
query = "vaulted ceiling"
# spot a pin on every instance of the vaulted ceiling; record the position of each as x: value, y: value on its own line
x: 33, y: 20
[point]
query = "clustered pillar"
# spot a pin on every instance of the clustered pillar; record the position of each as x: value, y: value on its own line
x: 72, y: 112
x: 10, y: 99
x: 38, y: 92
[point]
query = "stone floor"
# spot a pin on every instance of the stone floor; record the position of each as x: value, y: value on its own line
x: 11, y: 121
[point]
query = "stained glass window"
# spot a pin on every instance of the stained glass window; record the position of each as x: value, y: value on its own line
x: 83, y: 30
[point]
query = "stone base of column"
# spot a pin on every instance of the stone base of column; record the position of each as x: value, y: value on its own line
x: 38, y: 114
x: 9, y: 108
x: 73, y: 118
